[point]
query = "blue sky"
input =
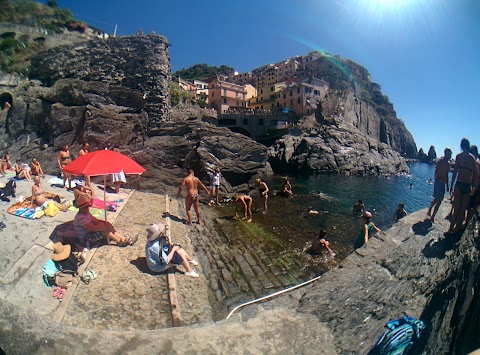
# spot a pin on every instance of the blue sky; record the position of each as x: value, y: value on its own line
x: 424, y: 53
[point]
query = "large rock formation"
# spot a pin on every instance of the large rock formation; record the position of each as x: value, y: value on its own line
x: 138, y: 63
x: 334, y: 148
x: 42, y: 119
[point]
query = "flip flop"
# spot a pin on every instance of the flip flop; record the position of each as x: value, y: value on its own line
x: 132, y: 241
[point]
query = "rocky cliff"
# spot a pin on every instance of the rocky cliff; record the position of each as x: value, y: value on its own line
x: 42, y: 119
x: 334, y: 147
x: 137, y: 63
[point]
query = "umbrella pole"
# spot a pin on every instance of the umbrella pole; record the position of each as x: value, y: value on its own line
x: 105, y: 201
x: 105, y: 195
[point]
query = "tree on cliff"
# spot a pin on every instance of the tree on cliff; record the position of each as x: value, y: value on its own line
x: 432, y: 154
x: 202, y: 72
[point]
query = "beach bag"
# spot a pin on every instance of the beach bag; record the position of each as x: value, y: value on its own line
x: 49, y: 272
x: 402, y: 333
x: 51, y: 210
x: 65, y: 278
x: 9, y: 189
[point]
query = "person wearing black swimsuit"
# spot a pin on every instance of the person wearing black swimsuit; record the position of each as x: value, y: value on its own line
x: 465, y: 176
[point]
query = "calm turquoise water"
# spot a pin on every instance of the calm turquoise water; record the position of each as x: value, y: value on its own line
x: 288, y: 218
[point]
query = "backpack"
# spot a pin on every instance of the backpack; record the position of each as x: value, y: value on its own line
x: 9, y: 190
x: 399, y: 338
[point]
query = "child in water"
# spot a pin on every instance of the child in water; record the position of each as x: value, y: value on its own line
x: 321, y: 246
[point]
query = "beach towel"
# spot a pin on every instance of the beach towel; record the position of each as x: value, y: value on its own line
x: 111, y: 205
x: 95, y: 212
x: 399, y: 338
x: 23, y: 209
x: 59, y: 182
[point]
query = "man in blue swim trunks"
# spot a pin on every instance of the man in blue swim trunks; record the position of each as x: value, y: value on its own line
x: 441, y: 180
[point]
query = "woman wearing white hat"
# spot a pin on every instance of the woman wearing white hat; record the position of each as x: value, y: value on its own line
x: 161, y: 255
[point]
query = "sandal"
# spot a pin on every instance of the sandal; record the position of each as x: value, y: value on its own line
x: 132, y: 241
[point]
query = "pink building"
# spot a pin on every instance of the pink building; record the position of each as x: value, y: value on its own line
x: 224, y: 96
x: 303, y: 97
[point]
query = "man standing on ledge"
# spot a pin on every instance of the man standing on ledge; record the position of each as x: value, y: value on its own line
x: 191, y: 183
x: 441, y: 180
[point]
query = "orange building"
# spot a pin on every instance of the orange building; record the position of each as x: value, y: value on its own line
x: 302, y: 97
x: 224, y: 96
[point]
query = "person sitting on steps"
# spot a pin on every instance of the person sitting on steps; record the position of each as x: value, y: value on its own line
x: 90, y: 229
x: 161, y: 254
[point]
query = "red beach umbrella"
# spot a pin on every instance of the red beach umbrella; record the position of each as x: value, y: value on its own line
x: 103, y: 162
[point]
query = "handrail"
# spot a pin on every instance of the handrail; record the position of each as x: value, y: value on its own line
x: 272, y: 295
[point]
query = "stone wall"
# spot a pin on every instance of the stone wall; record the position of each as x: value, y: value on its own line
x: 137, y: 63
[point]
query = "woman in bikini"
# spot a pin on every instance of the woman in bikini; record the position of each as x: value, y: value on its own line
x: 63, y: 160
x: 466, y: 176
x: 7, y: 161
x: 263, y: 192
x: 21, y: 172
x: 36, y: 168
x: 39, y: 199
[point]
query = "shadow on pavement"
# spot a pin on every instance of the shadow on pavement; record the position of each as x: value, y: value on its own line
x: 438, y: 249
x: 141, y: 264
x: 174, y: 218
x: 422, y: 227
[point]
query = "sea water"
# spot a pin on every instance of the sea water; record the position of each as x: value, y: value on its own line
x: 334, y: 196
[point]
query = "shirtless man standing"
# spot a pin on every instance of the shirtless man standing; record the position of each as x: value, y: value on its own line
x: 191, y: 183
x: 441, y: 180
x: 466, y: 176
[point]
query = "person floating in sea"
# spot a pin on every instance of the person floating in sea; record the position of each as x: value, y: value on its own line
x: 191, y: 183
x: 243, y: 203
x: 358, y: 208
x: 400, y: 212
x: 442, y: 169
x: 286, y: 189
x: 311, y: 210
x: 369, y: 229
x: 215, y: 178
x: 263, y: 193
x: 465, y: 175
x: 320, y: 245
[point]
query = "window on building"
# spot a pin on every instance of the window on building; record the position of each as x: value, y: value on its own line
x: 316, y: 92
x: 261, y: 91
x: 238, y: 103
x: 224, y: 100
x: 261, y: 107
x: 224, y: 92
x: 272, y: 88
x: 213, y: 94
x: 291, y: 102
x: 291, y: 93
x: 260, y: 121
x: 298, y: 100
x: 284, y: 95
x: 298, y: 90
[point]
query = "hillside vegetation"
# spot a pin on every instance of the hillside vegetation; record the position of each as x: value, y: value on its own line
x: 202, y: 72
x: 15, y: 50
